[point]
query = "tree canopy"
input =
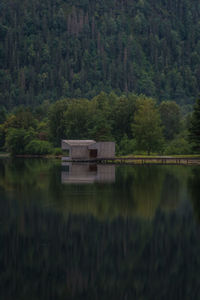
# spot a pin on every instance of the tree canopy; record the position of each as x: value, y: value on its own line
x: 147, y: 128
x: 170, y: 117
x: 137, y: 124
x: 194, y: 129
x: 63, y: 48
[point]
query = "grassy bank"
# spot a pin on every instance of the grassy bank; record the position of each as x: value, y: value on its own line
x: 160, y: 156
x: 4, y: 154
x: 144, y: 159
x: 127, y: 159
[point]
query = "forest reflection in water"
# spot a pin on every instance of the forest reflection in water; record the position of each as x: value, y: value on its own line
x: 136, y: 237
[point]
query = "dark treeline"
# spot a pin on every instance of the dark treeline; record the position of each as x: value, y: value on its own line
x: 44, y: 256
x: 137, y: 123
x: 61, y: 48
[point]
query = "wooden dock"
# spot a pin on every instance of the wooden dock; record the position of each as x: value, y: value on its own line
x: 158, y: 160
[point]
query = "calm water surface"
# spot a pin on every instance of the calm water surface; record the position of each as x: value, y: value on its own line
x: 70, y: 231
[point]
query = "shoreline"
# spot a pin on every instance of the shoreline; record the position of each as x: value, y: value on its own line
x: 158, y: 161
x: 127, y: 160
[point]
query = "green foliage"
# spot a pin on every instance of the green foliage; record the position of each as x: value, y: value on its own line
x: 194, y: 130
x: 101, y: 130
x: 40, y: 111
x: 122, y: 116
x: 21, y: 119
x: 57, y: 151
x: 132, y: 121
x: 2, y: 114
x: 146, y: 127
x: 170, y: 117
x: 18, y: 139
x: 43, y: 129
x: 37, y: 147
x: 106, y: 52
x: 77, y: 117
x: 126, y: 146
x: 67, y: 48
x: 178, y: 146
x: 57, y: 123
x: 24, y: 119
x: 2, y: 136
x: 105, y: 117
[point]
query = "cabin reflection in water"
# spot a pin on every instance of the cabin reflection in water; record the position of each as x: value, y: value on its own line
x: 87, y: 173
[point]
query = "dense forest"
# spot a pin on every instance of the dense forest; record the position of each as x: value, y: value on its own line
x: 137, y: 124
x: 52, y: 49
x: 116, y: 70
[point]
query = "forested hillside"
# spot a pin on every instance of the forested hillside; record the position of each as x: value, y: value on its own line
x: 51, y: 49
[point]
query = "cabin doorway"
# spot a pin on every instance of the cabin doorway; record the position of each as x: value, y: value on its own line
x: 93, y: 153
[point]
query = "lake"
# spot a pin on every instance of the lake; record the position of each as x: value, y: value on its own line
x: 86, y: 231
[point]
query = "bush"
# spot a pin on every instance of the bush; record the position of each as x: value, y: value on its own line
x: 126, y: 146
x: 57, y: 151
x: 178, y: 146
x: 37, y: 147
x: 17, y: 139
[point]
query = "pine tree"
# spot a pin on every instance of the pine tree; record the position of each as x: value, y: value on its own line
x: 194, y: 130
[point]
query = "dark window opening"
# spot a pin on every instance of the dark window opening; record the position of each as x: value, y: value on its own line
x: 93, y: 153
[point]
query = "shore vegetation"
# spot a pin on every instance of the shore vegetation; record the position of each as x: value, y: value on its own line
x: 138, y: 124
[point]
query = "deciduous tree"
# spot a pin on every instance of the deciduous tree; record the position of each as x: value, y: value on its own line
x: 146, y: 127
x: 170, y: 117
x: 194, y: 130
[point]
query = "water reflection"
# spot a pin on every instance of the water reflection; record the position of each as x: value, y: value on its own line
x: 87, y: 173
x: 132, y: 238
x: 194, y: 188
x: 127, y: 191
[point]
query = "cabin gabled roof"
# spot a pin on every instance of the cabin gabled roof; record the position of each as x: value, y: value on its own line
x: 79, y: 142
